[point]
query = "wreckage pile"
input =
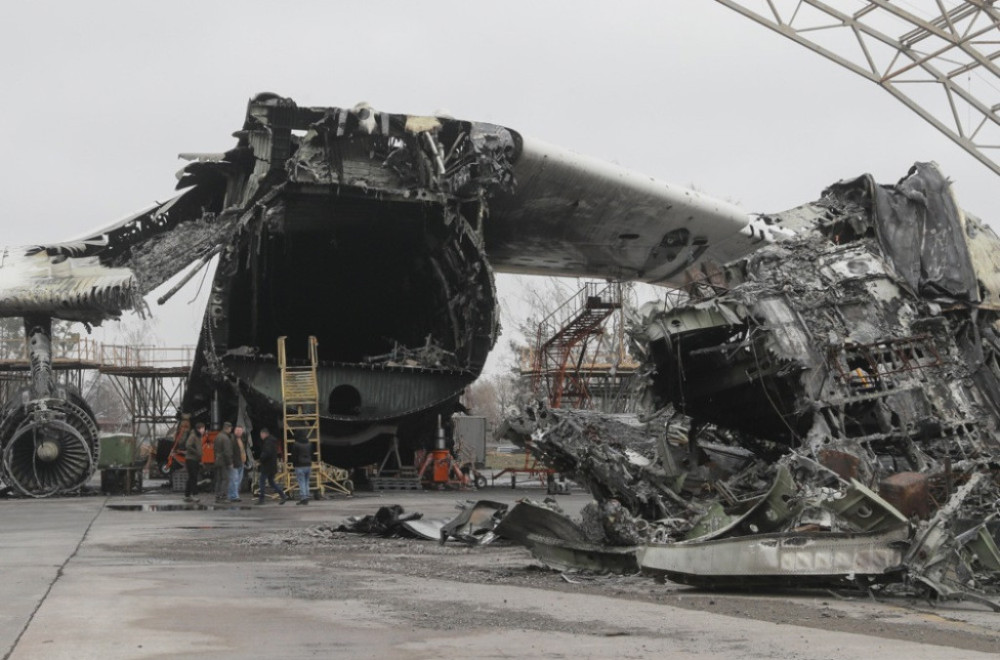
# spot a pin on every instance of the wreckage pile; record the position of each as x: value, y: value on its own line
x: 828, y: 408
x: 702, y: 512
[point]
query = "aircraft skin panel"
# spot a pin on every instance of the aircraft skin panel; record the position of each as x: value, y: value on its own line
x: 577, y: 216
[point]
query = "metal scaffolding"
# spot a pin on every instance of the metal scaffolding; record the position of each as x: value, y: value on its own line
x: 149, y: 379
x: 72, y: 357
x: 936, y: 57
x: 576, y: 362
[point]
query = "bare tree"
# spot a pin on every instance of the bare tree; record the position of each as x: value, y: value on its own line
x: 497, y: 396
x: 105, y: 396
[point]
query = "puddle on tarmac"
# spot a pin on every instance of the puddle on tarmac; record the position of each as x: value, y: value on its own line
x: 178, y: 507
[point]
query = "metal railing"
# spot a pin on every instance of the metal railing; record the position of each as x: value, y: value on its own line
x: 114, y: 355
x: 606, y: 295
x: 74, y: 348
x: 69, y: 347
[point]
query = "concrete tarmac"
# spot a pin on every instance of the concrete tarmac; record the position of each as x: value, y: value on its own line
x: 83, y: 580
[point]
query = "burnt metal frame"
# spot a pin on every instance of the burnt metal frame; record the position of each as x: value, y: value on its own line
x: 888, y: 357
x: 932, y: 50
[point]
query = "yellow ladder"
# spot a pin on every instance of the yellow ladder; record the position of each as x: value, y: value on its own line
x: 300, y: 405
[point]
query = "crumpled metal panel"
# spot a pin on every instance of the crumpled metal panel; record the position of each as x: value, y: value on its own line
x: 982, y: 241
x: 526, y: 518
x: 563, y: 555
x: 768, y: 514
x: 476, y: 523
x: 919, y: 227
x: 789, y: 555
x: 865, y: 510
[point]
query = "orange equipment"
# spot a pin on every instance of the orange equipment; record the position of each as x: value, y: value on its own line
x: 444, y: 469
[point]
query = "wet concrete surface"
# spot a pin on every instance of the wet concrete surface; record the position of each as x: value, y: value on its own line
x: 169, y: 580
x: 173, y: 506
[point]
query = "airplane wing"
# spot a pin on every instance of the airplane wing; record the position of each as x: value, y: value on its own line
x: 100, y: 275
x: 572, y: 215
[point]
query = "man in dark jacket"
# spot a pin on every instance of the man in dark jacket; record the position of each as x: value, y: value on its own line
x: 269, y: 466
x: 302, y: 460
x: 223, y: 461
x: 192, y: 459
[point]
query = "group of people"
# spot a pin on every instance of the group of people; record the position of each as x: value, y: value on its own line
x: 232, y: 454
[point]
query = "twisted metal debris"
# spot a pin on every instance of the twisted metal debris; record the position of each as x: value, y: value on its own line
x: 828, y: 408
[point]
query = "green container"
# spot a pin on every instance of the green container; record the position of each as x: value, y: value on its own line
x: 117, y: 451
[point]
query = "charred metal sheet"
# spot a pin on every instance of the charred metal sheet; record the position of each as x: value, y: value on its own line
x: 981, y: 242
x: 528, y: 518
x: 565, y: 555
x: 864, y: 510
x: 475, y: 524
x: 387, y: 521
x: 918, y: 228
x: 766, y: 513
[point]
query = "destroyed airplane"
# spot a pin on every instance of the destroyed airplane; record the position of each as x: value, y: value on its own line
x: 828, y: 408
x: 378, y: 234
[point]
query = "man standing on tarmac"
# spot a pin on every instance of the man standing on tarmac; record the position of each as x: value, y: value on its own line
x: 192, y: 460
x: 223, y: 461
x: 269, y: 466
x: 239, y: 460
x: 302, y: 460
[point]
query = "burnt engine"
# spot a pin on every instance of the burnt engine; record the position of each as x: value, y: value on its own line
x: 48, y: 433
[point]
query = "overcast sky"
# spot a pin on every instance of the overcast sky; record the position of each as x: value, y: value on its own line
x: 100, y: 97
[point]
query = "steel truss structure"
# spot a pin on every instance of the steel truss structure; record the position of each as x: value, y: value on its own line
x: 149, y: 380
x: 576, y: 362
x: 936, y: 56
x: 151, y: 396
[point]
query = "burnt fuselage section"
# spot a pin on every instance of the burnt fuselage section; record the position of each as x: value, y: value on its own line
x: 363, y: 230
